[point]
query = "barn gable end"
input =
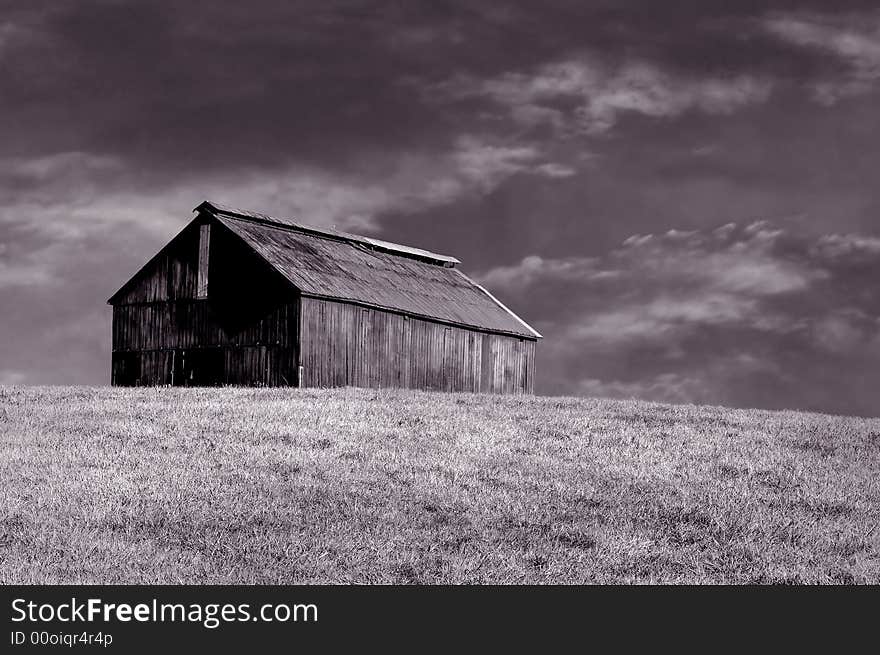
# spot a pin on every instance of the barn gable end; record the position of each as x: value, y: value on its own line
x: 243, y: 331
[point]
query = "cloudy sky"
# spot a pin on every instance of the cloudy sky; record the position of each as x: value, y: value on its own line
x: 683, y: 197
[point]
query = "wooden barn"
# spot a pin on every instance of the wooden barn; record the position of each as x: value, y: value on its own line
x: 246, y: 299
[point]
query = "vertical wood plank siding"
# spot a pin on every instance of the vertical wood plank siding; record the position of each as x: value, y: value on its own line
x: 344, y: 344
x: 263, y: 353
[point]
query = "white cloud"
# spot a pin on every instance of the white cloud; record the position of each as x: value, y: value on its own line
x: 852, y: 247
x: 720, y: 261
x: 56, y: 202
x: 839, y: 331
x: 597, y: 94
x: 485, y: 164
x: 46, y: 168
x: 534, y: 268
x: 31, y: 267
x: 662, y: 317
x: 723, y: 261
x: 9, y: 377
x: 852, y: 38
x: 663, y: 288
x: 553, y: 169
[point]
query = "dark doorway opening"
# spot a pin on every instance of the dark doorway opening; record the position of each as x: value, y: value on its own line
x: 126, y: 369
x: 198, y: 367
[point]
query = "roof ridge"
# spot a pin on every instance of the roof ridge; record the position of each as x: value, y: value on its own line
x: 378, y: 244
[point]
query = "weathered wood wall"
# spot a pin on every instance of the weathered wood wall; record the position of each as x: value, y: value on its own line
x: 198, y: 324
x: 263, y: 352
x: 245, y: 332
x: 343, y: 344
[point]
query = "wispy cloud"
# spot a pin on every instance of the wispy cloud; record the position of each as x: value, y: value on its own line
x: 663, y: 319
x: 849, y: 248
x: 853, y: 38
x: 678, y: 276
x: 8, y: 377
x: 583, y: 95
x: 536, y: 268
x: 553, y: 169
x: 485, y: 164
x: 53, y: 204
x: 700, y: 315
x: 30, y: 267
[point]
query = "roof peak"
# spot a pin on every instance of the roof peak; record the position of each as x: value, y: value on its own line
x: 214, y: 208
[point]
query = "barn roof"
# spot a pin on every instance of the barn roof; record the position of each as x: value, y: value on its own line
x: 331, y: 264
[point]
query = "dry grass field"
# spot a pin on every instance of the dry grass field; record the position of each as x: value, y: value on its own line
x: 148, y: 485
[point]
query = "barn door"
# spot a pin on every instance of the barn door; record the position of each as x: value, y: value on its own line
x: 198, y: 367
x: 126, y: 369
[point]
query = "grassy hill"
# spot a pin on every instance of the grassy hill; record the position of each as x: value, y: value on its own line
x: 293, y: 486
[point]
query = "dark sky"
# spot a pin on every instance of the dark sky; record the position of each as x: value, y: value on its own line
x: 683, y: 197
